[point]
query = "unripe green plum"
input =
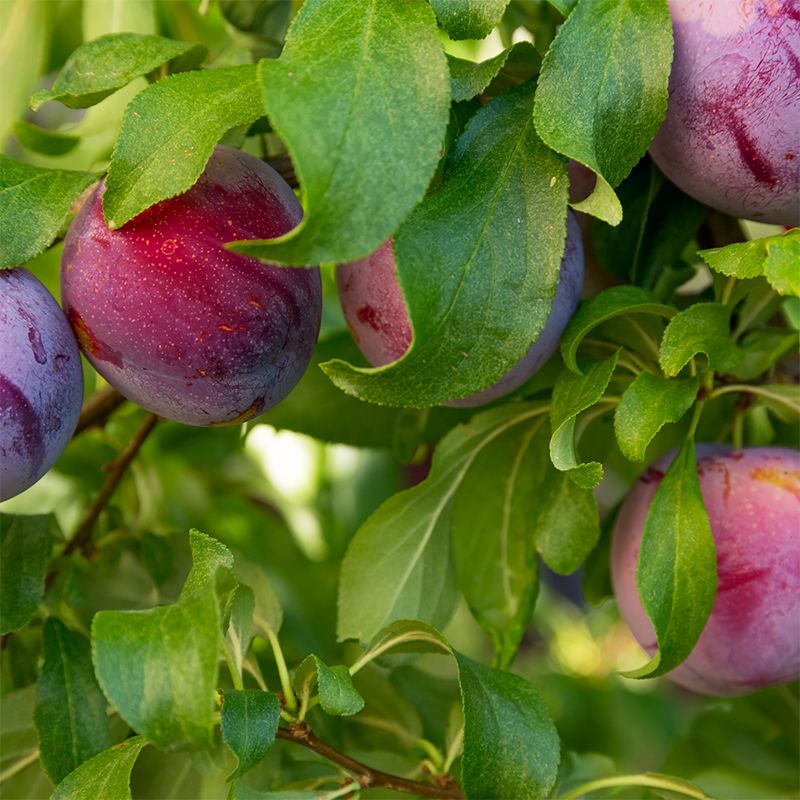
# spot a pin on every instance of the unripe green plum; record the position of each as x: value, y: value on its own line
x: 752, y: 638
x: 41, y: 381
x: 377, y: 316
x: 731, y: 136
x: 181, y: 325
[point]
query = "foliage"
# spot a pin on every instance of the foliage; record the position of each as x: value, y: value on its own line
x: 362, y: 529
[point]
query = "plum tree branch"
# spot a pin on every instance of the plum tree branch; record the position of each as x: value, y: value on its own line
x: 367, y: 777
x: 82, y: 538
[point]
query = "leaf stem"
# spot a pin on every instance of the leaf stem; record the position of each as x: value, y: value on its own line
x: 97, y: 408
x: 20, y: 765
x: 367, y: 777
x: 651, y: 781
x: 727, y: 290
x: 289, y: 697
x: 761, y: 391
x: 236, y: 675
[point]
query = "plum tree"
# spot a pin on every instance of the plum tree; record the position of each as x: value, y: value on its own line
x: 41, y: 381
x: 178, y: 323
x: 752, y: 638
x: 730, y: 136
x: 377, y: 316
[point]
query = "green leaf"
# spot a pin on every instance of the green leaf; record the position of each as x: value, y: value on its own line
x: 677, y: 569
x: 468, y: 78
x: 614, y: 302
x: 511, y: 747
x: 649, y: 403
x: 169, y: 132
x: 573, y: 394
x: 477, y: 303
x: 491, y: 527
x: 34, y: 205
x: 25, y: 547
x: 360, y: 97
x: 249, y: 722
x: 701, y: 328
x: 783, y: 258
x: 775, y: 257
x: 761, y: 349
x: 603, y: 87
x: 41, y: 140
x: 241, y: 630
x: 468, y: 19
x: 337, y: 695
x: 159, y: 668
x: 246, y: 793
x: 99, y: 67
x: 209, y: 556
x: 399, y: 563
x: 105, y: 776
x: 70, y: 716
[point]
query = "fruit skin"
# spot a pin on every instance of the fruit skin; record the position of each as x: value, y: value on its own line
x: 41, y: 381
x: 730, y: 136
x: 177, y: 323
x: 377, y: 316
x: 752, y: 638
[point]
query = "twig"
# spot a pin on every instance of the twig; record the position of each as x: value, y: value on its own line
x: 82, y: 538
x: 98, y: 408
x: 367, y: 777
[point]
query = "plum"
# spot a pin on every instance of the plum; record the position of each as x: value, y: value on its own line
x: 377, y: 316
x: 177, y: 323
x: 731, y: 136
x: 752, y: 638
x: 41, y: 381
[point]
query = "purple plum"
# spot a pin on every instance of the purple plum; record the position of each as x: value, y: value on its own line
x: 180, y: 325
x: 752, y: 638
x: 41, y: 381
x: 377, y: 316
x: 731, y: 137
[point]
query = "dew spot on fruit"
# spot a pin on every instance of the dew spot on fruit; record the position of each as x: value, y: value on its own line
x: 787, y: 479
x: 169, y: 247
x: 36, y: 346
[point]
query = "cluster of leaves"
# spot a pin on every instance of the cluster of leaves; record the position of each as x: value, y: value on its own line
x: 465, y: 164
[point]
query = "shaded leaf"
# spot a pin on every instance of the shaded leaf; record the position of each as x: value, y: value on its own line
x: 701, y: 328
x: 511, y: 747
x: 337, y: 695
x: 70, y: 715
x: 159, y: 667
x: 101, y: 66
x: 25, y: 547
x: 603, y: 87
x: 478, y: 267
x: 34, y: 205
x: 249, y: 722
x: 399, y: 563
x: 649, y: 403
x: 41, y: 140
x: 468, y: 19
x: 105, y: 776
x: 573, y: 394
x: 677, y: 568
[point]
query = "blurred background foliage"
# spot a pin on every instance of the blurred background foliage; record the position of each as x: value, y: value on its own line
x: 289, y: 503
